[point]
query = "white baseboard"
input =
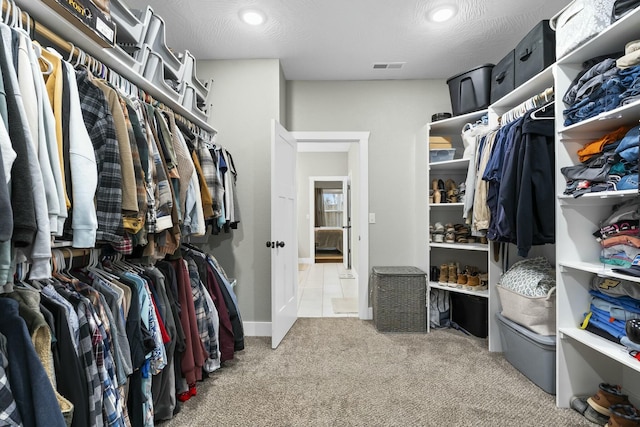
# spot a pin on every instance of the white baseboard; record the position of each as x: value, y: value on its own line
x: 306, y: 260
x: 257, y: 329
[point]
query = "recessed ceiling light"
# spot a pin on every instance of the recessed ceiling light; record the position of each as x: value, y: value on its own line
x: 252, y: 17
x: 442, y: 13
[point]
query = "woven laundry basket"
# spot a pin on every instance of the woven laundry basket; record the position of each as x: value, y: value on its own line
x: 399, y: 298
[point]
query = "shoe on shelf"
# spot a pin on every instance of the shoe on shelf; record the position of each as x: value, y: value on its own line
x: 580, y: 405
x: 437, y: 185
x: 462, y: 189
x: 607, y: 396
x: 623, y: 416
x: 452, y: 191
x: 484, y: 281
x: 450, y: 237
x: 444, y: 274
x: 453, y: 275
x: 462, y: 279
x: 473, y: 281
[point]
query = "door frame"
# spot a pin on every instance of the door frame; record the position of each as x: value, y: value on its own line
x: 362, y: 139
x: 344, y: 179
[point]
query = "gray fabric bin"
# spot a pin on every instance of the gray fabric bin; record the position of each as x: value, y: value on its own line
x: 399, y: 298
x: 532, y: 354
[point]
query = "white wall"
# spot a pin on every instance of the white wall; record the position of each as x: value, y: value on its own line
x: 393, y: 111
x: 313, y: 164
x: 247, y: 94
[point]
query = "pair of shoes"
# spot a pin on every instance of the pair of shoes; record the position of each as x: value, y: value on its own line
x: 607, y: 396
x: 610, y: 401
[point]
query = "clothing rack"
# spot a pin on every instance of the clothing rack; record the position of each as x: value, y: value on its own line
x: 105, y: 58
x: 534, y: 102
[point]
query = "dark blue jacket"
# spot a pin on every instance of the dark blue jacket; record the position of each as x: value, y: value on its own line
x: 31, y: 387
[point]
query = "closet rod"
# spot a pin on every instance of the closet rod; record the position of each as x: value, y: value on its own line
x: 111, y: 57
x: 547, y: 95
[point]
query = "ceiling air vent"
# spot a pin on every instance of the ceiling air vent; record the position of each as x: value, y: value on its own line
x: 388, y: 65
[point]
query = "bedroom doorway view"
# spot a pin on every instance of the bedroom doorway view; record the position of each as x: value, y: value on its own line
x: 330, y: 205
x: 329, y: 185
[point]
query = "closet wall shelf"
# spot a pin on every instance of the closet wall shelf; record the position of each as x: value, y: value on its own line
x: 436, y: 285
x: 453, y: 126
x: 591, y: 199
x: 536, y: 85
x: 446, y: 205
x: 449, y: 165
x: 115, y: 59
x: 601, y: 345
x: 61, y: 244
x: 607, y: 121
x: 461, y: 246
x: 612, y: 39
x: 597, y: 268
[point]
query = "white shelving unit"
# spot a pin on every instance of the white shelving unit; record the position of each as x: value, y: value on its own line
x: 481, y: 256
x: 114, y: 58
x: 584, y: 359
x: 474, y: 254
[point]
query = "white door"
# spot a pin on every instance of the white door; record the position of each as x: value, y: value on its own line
x: 283, y: 244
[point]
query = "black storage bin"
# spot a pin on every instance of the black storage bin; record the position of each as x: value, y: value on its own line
x: 535, y: 52
x: 470, y: 91
x: 502, y: 77
x: 470, y: 313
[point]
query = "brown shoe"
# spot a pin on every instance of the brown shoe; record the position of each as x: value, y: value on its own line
x: 444, y: 273
x: 453, y: 274
x: 462, y: 279
x: 623, y: 416
x: 607, y: 396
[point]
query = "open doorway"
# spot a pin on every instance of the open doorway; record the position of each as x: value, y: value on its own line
x: 330, y: 206
x: 334, y: 250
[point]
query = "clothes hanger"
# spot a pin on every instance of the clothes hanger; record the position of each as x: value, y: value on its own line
x: 37, y: 48
x: 542, y: 109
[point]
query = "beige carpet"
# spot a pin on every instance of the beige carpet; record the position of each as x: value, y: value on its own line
x: 342, y: 372
x: 344, y: 305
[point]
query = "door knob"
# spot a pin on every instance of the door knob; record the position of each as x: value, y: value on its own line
x: 279, y: 244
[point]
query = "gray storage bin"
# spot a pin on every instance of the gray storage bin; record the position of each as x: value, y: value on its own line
x: 532, y: 354
x: 535, y: 52
x: 502, y: 77
x: 399, y: 298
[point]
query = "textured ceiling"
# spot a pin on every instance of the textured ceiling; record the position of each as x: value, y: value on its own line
x: 342, y: 39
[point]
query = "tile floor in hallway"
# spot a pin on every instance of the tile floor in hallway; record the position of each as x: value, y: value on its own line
x: 318, y: 284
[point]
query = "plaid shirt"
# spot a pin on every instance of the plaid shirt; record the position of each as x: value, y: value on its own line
x: 99, y: 124
x: 214, y: 185
x: 88, y: 360
x: 206, y: 328
x: 9, y: 414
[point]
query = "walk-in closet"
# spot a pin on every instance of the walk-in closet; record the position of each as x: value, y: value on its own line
x: 346, y: 213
